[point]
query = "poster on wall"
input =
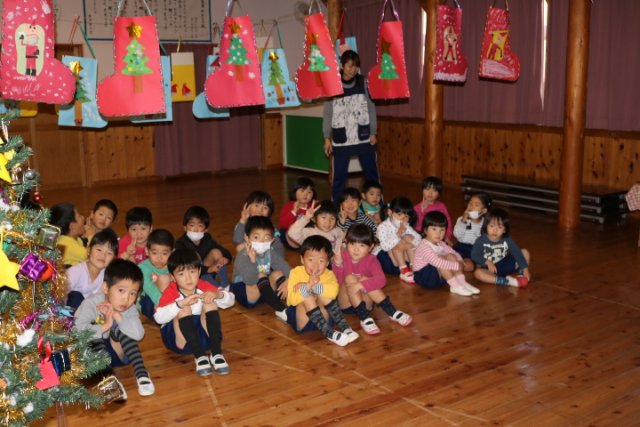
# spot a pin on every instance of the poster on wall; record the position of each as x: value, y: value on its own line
x: 187, y: 20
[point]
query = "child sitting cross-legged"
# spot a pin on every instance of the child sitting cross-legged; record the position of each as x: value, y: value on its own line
x: 133, y: 245
x: 114, y: 320
x: 325, y: 224
x: 188, y: 313
x: 258, y: 269
x: 154, y: 270
x: 257, y: 203
x: 349, y: 204
x: 311, y: 289
x: 362, y: 278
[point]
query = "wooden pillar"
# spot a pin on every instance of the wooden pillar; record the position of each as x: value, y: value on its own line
x: 335, y: 9
x: 574, y: 113
x: 433, y: 117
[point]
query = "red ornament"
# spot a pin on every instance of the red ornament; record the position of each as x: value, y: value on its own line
x: 37, y: 197
x: 48, y: 272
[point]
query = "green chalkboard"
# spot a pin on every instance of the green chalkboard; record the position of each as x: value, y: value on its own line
x: 305, y: 144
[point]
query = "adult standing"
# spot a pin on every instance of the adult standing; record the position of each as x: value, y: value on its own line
x: 350, y: 126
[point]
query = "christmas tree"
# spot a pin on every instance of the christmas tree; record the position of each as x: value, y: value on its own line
x: 42, y: 360
x: 81, y: 96
x: 237, y: 51
x: 275, y: 77
x: 316, y: 58
x: 135, y: 58
x: 387, y: 68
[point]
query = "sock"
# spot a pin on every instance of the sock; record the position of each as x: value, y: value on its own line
x: 315, y: 316
x: 387, y: 306
x: 190, y: 335
x: 362, y: 311
x: 336, y: 314
x: 461, y: 279
x: 269, y: 295
x: 132, y: 351
x: 453, y: 282
x: 502, y: 281
x: 215, y: 332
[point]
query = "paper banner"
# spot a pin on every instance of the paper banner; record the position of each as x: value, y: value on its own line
x: 498, y: 61
x: 29, y: 70
x: 136, y: 87
x: 450, y: 63
x: 83, y: 111
x: 279, y: 90
x: 183, y: 77
x: 237, y: 82
x: 200, y: 108
x: 168, y: 115
x: 388, y: 78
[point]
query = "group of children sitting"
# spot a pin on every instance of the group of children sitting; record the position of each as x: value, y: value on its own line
x: 345, y: 250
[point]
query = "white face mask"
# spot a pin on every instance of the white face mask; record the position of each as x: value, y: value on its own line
x: 260, y: 247
x: 474, y: 214
x: 195, y: 236
x: 396, y: 222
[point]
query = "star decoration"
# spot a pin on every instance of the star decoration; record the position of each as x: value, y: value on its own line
x: 273, y: 55
x: 385, y: 46
x: 312, y: 38
x: 4, y: 173
x: 75, y: 67
x: 134, y: 30
x: 8, y: 272
x: 235, y: 28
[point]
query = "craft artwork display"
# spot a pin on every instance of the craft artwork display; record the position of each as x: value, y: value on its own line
x: 183, y: 77
x: 29, y: 69
x: 167, y: 116
x: 279, y: 90
x: 498, y: 60
x: 83, y: 111
x: 318, y: 76
x: 344, y: 44
x: 388, y: 78
x: 238, y: 81
x: 450, y: 64
x: 136, y: 87
x: 18, y: 108
x: 200, y: 108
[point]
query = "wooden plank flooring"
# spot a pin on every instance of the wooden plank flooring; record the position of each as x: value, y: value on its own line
x: 563, y: 352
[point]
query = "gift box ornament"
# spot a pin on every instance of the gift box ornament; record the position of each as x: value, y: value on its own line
x: 33, y: 267
x: 449, y: 64
x: 29, y: 70
x: 48, y: 236
x: 110, y: 389
x: 83, y: 111
x: 61, y: 361
x: 47, y: 370
x: 200, y: 108
x: 498, y: 61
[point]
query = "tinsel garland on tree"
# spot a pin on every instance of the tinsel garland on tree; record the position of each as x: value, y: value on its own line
x: 32, y: 290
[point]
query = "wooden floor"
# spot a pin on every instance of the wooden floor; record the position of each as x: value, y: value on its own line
x: 563, y: 352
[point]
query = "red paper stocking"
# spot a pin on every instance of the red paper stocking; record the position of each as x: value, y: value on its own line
x: 318, y: 75
x: 238, y: 81
x: 136, y: 87
x: 449, y: 64
x: 497, y: 60
x: 30, y: 71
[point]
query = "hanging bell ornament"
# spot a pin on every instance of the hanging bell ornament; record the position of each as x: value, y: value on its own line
x: 30, y: 174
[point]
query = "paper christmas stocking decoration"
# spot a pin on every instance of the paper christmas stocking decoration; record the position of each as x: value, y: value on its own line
x: 318, y: 76
x: 344, y: 44
x: 279, y: 90
x: 497, y: 60
x: 168, y: 115
x: 450, y: 64
x: 83, y: 111
x: 200, y: 108
x: 237, y: 82
x: 136, y: 87
x: 30, y: 71
x: 183, y: 77
x: 388, y: 78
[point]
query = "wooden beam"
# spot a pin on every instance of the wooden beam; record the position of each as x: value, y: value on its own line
x: 335, y: 9
x: 433, y: 118
x: 574, y: 113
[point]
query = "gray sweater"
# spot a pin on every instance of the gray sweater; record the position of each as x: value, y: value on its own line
x: 86, y: 314
x: 246, y: 271
x: 238, y: 238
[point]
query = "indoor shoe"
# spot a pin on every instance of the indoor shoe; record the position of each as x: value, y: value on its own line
x: 145, y: 386
x: 369, y: 326
x: 473, y: 289
x: 203, y: 366
x: 407, y: 276
x: 522, y: 281
x: 460, y: 290
x: 401, y: 318
x: 339, y: 338
x: 220, y: 365
x: 282, y: 315
x: 351, y: 335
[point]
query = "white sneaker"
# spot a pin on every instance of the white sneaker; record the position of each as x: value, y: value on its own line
x: 220, y: 365
x: 513, y: 281
x: 369, y: 326
x: 351, y: 335
x: 145, y: 386
x: 401, y: 318
x: 339, y: 338
x: 460, y: 290
x: 203, y: 366
x: 473, y: 289
x: 282, y: 315
x: 407, y: 277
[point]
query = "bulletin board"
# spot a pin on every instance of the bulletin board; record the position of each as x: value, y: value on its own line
x: 304, y: 144
x: 186, y: 20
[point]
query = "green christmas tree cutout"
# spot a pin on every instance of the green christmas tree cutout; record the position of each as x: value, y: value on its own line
x: 81, y: 96
x: 237, y: 51
x: 316, y: 58
x: 387, y: 67
x: 135, y: 59
x: 275, y: 77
